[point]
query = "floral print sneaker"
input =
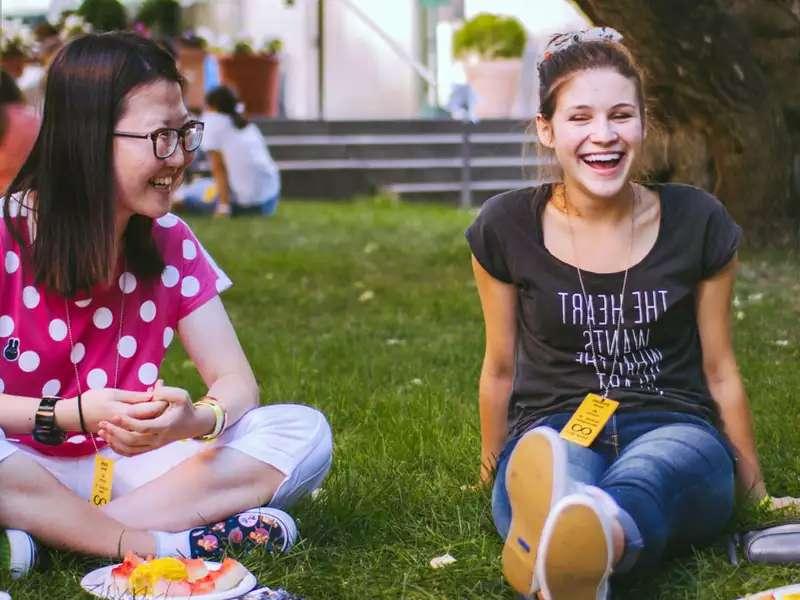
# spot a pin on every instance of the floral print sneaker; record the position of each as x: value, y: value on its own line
x: 265, y: 527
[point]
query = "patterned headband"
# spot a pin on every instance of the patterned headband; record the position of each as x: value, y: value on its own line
x: 562, y: 41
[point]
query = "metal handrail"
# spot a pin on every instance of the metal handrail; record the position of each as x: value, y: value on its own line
x: 421, y: 70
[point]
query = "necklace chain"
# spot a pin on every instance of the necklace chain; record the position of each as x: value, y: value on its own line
x: 116, y: 349
x: 590, y: 318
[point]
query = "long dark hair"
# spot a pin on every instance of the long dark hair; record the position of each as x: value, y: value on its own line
x: 70, y: 168
x: 9, y: 94
x: 223, y: 100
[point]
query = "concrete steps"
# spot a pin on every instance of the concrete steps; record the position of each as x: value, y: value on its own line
x: 410, y: 159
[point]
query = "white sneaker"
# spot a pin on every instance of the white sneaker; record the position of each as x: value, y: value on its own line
x: 576, y: 551
x: 24, y: 552
x: 536, y: 479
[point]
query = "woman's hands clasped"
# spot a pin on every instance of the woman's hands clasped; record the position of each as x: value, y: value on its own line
x: 133, y: 432
x: 100, y: 405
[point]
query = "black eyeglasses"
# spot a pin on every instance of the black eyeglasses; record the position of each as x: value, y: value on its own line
x: 165, y: 140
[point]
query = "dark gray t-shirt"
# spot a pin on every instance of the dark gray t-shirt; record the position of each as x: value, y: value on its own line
x: 658, y: 354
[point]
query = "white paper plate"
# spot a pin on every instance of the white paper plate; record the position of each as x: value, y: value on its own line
x: 97, y: 583
x: 778, y: 593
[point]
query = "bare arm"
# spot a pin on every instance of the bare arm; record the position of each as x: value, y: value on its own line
x: 499, y: 304
x: 722, y: 374
x: 210, y: 340
x: 220, y: 174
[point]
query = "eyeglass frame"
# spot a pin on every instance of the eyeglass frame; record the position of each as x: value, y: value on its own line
x: 154, y: 134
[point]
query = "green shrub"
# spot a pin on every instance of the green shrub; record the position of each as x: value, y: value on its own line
x: 490, y: 36
x: 104, y: 15
x: 162, y: 16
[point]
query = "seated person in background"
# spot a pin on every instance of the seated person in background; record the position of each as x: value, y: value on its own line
x: 245, y: 178
x: 19, y: 127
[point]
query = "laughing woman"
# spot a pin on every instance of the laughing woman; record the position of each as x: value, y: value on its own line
x: 98, y: 278
x: 606, y: 306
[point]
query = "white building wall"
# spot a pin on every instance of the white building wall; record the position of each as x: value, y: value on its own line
x: 364, y: 77
x: 296, y: 26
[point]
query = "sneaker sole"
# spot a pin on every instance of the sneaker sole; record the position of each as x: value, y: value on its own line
x: 534, y: 466
x: 575, y: 555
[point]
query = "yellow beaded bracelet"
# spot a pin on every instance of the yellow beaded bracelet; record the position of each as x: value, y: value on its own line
x: 220, y: 416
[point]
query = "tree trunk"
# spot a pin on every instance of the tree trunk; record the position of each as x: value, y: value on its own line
x: 723, y: 79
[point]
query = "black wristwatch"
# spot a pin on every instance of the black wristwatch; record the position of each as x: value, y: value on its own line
x: 45, y: 429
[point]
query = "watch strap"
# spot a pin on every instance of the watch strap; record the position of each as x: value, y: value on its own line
x: 45, y: 429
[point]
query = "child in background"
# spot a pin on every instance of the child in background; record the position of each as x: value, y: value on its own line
x: 245, y: 180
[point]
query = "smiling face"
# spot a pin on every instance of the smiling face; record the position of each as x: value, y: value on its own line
x: 143, y: 182
x: 596, y: 131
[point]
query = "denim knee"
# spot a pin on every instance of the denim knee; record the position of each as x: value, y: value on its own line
x: 676, y: 483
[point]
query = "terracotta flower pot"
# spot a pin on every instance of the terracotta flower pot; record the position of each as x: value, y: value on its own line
x: 255, y: 79
x: 190, y: 63
x: 13, y: 65
x: 496, y: 84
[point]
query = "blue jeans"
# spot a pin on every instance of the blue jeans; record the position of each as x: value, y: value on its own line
x: 671, y: 473
x: 200, y: 197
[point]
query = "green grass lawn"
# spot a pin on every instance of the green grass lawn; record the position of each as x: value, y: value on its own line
x: 368, y: 311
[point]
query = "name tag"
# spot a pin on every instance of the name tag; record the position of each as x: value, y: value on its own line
x: 103, y: 480
x: 589, y: 419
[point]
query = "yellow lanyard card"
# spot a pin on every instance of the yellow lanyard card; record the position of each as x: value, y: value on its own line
x: 103, y: 479
x: 588, y: 421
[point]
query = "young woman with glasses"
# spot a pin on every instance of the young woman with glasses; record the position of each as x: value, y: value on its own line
x: 98, y: 278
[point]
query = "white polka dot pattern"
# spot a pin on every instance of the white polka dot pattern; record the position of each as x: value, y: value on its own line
x: 170, y: 276
x: 102, y: 318
x: 147, y: 311
x: 76, y: 439
x: 30, y: 297
x: 2, y: 386
x: 6, y: 326
x: 127, y: 282
x: 189, y: 287
x: 96, y: 379
x: 77, y: 354
x: 169, y: 333
x: 29, y: 361
x: 51, y: 388
x: 127, y: 346
x: 189, y: 250
x: 12, y: 262
x: 148, y: 373
x: 83, y: 303
x: 57, y: 330
x: 167, y: 221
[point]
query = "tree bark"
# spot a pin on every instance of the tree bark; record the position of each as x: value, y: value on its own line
x: 723, y: 81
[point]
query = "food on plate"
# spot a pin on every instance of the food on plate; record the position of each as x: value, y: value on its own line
x: 169, y: 577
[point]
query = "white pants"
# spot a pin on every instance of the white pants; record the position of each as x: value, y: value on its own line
x: 293, y: 438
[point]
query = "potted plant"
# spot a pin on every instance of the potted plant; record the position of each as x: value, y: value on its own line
x: 491, y: 48
x: 16, y: 46
x: 104, y: 15
x: 162, y: 17
x: 254, y: 75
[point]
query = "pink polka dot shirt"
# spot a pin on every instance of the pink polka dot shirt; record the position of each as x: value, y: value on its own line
x: 36, y: 356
